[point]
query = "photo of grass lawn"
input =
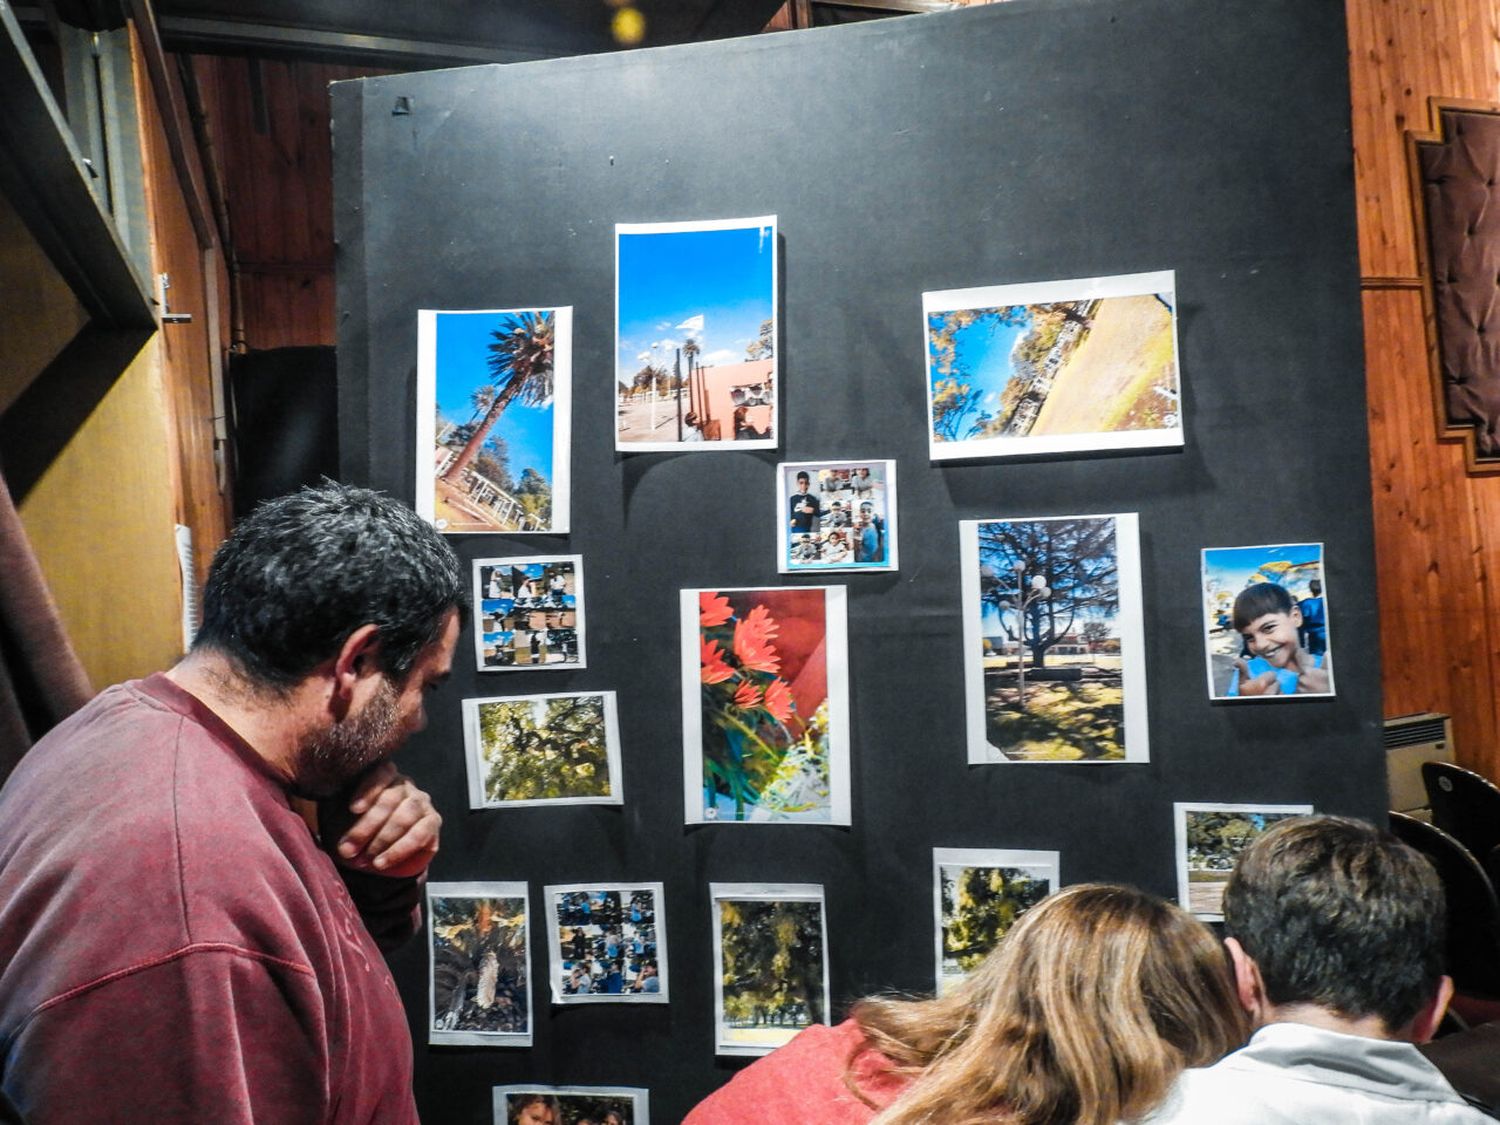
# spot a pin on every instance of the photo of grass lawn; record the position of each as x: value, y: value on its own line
x: 1054, y: 367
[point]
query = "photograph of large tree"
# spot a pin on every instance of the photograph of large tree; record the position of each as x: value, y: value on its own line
x: 542, y: 749
x: 1053, y: 367
x: 695, y: 334
x: 1055, y: 662
x: 493, y: 392
x: 979, y: 895
x: 480, y: 988
x: 1210, y: 839
x: 772, y: 978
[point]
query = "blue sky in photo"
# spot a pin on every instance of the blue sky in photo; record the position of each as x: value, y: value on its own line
x: 1233, y: 566
x: 462, y: 366
x: 714, y: 285
x: 983, y: 351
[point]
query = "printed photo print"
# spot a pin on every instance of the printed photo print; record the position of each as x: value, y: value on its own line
x: 1055, y: 661
x: 493, y: 419
x: 1210, y: 839
x: 607, y: 943
x: 1053, y: 367
x: 695, y: 335
x: 1265, y: 621
x: 765, y: 706
x: 559, y: 749
x: 771, y: 969
x: 571, y: 1105
x: 479, y: 993
x: 530, y: 613
x: 978, y: 895
x: 836, y: 515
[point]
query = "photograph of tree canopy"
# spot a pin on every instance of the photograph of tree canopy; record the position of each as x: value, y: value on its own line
x: 543, y: 749
x: 1209, y: 840
x: 1053, y: 367
x: 771, y: 972
x: 1055, y: 662
x: 480, y: 989
x: 493, y: 419
x: 979, y: 894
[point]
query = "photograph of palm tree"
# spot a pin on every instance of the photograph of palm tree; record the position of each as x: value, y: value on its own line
x: 1054, y: 638
x: 1210, y: 839
x: 1265, y: 622
x: 1053, y: 367
x: 765, y: 706
x: 771, y: 968
x: 695, y: 334
x: 978, y: 895
x: 542, y: 750
x: 479, y: 991
x: 493, y: 434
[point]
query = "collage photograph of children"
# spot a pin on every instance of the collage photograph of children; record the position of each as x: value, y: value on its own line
x: 604, y: 945
x: 529, y: 612
x: 1266, y: 622
x: 837, y: 516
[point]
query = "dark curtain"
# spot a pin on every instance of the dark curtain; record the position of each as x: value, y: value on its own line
x: 41, y: 680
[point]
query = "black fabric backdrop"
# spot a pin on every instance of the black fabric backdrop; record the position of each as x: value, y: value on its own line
x: 1033, y: 140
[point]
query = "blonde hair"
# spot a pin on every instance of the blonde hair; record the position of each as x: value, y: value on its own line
x: 1086, y: 1012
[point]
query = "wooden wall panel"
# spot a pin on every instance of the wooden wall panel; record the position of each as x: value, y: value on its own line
x: 1437, y: 529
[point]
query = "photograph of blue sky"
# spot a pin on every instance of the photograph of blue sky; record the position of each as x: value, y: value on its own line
x: 717, y: 286
x: 983, y: 353
x: 1231, y: 567
x: 462, y: 366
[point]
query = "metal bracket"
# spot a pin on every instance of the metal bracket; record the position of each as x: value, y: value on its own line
x: 163, y: 283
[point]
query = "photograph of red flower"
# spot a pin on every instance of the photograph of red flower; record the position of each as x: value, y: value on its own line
x: 765, y: 706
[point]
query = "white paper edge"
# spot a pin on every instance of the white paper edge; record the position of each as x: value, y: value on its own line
x: 1180, y: 809
x: 784, y: 565
x: 477, y: 799
x: 640, y: 1097
x: 562, y: 414
x: 835, y: 632
x: 474, y: 889
x: 1131, y: 622
x: 578, y: 610
x: 554, y: 943
x: 1208, y: 660
x: 768, y: 892
x: 774, y: 440
x: 980, y: 857
x: 1043, y: 292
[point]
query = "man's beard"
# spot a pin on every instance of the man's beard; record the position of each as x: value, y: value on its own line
x: 332, y: 759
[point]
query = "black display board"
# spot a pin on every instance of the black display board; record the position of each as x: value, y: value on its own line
x: 1025, y: 141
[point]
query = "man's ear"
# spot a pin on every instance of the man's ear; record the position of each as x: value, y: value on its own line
x: 354, y: 663
x: 1248, y: 984
x: 1425, y: 1025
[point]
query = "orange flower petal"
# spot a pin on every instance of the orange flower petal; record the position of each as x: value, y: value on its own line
x: 714, y: 670
x: 713, y: 609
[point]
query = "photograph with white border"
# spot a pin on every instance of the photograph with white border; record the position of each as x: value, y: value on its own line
x: 1210, y: 838
x: 695, y: 335
x: 1053, y: 367
x: 479, y: 979
x: 835, y: 515
x: 529, y: 613
x: 1266, y: 624
x: 572, y: 1105
x: 770, y: 964
x: 765, y: 705
x: 606, y: 943
x: 977, y: 895
x: 1054, y: 639
x: 561, y: 748
x: 494, y: 419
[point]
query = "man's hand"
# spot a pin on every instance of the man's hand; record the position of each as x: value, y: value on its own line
x: 390, y: 827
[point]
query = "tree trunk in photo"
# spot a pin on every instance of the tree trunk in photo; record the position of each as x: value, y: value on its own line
x: 454, y: 473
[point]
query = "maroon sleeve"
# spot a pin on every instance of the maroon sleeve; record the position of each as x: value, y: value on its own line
x: 212, y: 1033
x: 391, y: 908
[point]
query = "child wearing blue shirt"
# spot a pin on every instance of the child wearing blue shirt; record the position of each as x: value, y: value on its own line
x: 1269, y: 620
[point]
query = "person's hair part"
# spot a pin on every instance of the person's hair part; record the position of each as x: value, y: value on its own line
x: 1085, y: 1013
x: 304, y: 571
x: 1254, y: 602
x: 1342, y: 915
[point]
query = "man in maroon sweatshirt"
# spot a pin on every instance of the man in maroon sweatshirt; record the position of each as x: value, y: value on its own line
x: 176, y: 945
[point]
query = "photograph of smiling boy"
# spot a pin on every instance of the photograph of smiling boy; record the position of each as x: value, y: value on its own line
x: 1266, y: 622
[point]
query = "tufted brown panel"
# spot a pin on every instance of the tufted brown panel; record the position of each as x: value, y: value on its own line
x: 1459, y: 174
